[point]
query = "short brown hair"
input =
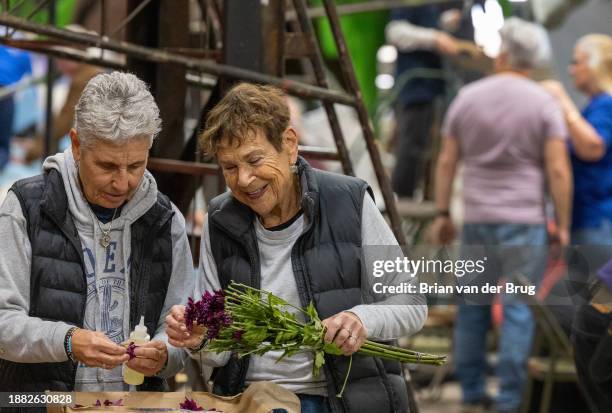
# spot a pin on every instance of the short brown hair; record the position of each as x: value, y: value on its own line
x: 246, y: 109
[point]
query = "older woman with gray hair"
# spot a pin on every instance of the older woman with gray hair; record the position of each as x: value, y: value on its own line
x: 509, y: 134
x: 91, y: 246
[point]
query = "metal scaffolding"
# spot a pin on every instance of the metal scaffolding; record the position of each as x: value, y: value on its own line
x: 194, y: 62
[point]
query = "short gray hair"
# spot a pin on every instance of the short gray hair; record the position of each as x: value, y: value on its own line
x: 526, y: 44
x: 116, y: 107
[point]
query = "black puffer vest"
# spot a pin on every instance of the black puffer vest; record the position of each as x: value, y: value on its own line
x: 58, y: 285
x: 327, y: 265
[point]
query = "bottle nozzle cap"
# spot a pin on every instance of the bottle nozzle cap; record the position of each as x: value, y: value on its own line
x: 141, y: 328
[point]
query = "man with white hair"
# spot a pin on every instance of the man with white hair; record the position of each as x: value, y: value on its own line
x: 510, y: 135
x: 90, y: 246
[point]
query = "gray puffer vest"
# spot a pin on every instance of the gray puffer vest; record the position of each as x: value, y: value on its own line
x: 58, y: 285
x: 327, y: 265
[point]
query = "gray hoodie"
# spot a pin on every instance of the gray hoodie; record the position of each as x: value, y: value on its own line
x: 31, y: 340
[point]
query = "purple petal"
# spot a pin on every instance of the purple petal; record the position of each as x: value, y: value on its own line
x: 190, y: 404
x: 130, y: 350
x: 110, y: 403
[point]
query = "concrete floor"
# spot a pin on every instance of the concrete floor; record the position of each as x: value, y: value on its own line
x: 449, y: 400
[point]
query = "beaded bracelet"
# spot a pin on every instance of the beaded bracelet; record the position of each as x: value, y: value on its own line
x: 68, y: 344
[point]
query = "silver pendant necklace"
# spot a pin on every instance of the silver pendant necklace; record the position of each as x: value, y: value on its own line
x: 105, y: 237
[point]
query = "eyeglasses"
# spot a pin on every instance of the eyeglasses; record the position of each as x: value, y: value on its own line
x: 577, y: 62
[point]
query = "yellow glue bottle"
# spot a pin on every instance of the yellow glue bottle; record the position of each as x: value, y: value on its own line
x: 139, y: 336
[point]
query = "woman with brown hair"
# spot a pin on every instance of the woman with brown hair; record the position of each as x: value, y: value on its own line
x: 301, y: 234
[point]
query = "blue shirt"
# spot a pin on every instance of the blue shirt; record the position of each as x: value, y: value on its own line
x: 14, y: 63
x: 593, y: 180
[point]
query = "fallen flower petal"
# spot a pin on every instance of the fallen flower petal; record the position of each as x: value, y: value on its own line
x: 107, y: 403
x: 190, y: 404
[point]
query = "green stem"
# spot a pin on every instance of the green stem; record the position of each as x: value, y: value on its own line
x: 272, y: 328
x: 236, y: 310
x: 285, y: 303
x: 401, y: 357
x: 282, y: 320
x: 383, y: 347
x: 348, y: 372
x: 399, y: 350
x: 386, y: 346
x: 241, y: 298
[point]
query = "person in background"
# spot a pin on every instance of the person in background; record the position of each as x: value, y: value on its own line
x: 14, y: 64
x: 79, y: 74
x: 91, y: 246
x: 592, y: 341
x: 301, y: 234
x: 510, y: 135
x: 413, y: 31
x: 590, y: 132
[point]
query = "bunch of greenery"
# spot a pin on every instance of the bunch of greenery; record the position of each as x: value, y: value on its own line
x: 246, y: 320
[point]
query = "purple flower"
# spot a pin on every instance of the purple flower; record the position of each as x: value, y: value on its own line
x: 130, y: 350
x: 190, y: 404
x: 191, y: 313
x: 208, y: 312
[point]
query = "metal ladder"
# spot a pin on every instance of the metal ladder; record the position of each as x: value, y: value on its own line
x: 351, y: 97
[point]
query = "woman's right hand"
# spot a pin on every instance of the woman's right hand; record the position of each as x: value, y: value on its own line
x: 555, y: 88
x: 178, y: 334
x: 94, y: 349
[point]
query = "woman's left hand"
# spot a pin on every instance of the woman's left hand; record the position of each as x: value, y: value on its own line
x: 150, y: 358
x: 345, y: 330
